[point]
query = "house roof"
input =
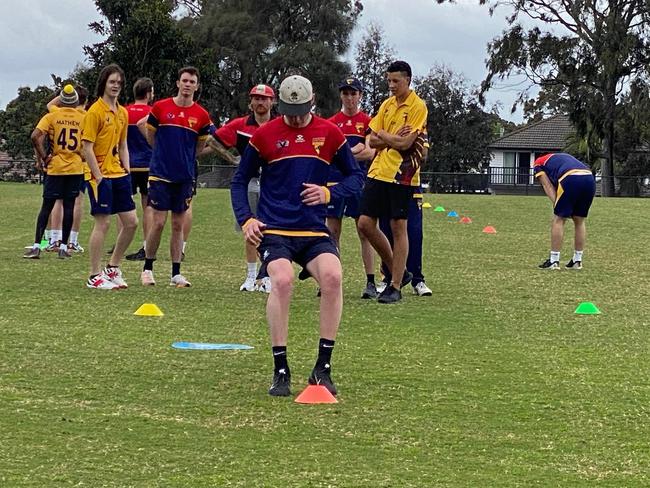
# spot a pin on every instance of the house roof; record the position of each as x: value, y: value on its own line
x: 547, y: 134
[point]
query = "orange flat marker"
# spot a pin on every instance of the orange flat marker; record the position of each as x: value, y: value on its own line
x: 315, y: 394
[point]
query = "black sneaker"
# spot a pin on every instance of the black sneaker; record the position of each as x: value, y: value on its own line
x: 321, y: 376
x: 573, y: 264
x: 33, y: 253
x: 136, y: 256
x: 64, y: 254
x: 390, y: 295
x: 281, y: 383
x: 548, y: 264
x: 370, y: 291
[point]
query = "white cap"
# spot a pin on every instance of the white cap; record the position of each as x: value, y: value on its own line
x: 296, y: 95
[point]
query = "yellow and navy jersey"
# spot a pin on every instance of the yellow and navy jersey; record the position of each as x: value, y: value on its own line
x: 355, y: 129
x: 139, y: 148
x: 106, y: 129
x: 289, y: 157
x: 178, y: 130
x: 558, y: 165
x: 391, y: 165
x: 63, y: 129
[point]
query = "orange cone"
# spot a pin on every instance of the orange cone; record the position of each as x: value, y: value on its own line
x: 315, y: 394
x: 489, y: 230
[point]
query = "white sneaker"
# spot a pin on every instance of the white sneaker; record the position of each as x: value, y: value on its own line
x: 381, y: 286
x: 422, y: 290
x: 146, y: 278
x: 179, y: 281
x: 115, y: 275
x: 101, y: 282
x: 248, y: 285
x: 264, y: 285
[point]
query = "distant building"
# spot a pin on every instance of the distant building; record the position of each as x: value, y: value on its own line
x: 513, y: 153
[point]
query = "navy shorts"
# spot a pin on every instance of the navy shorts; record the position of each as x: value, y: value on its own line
x: 348, y: 207
x: 170, y: 196
x: 111, y: 196
x: 300, y: 250
x: 59, y: 187
x: 574, y: 196
x: 139, y: 181
x: 383, y: 199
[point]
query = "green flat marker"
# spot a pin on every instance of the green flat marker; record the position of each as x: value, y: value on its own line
x: 587, y: 308
x: 44, y: 243
x: 439, y: 209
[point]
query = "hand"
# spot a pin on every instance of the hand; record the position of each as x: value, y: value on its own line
x: 253, y: 232
x: 313, y: 194
x: 98, y: 179
x: 405, y: 130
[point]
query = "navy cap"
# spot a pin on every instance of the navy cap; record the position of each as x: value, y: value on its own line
x: 351, y: 83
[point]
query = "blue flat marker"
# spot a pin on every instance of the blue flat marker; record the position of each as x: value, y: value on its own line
x: 205, y: 346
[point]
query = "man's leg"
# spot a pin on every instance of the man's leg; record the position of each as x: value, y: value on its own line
x: 187, y: 228
x: 179, y: 220
x: 277, y: 314
x: 96, y: 241
x: 557, y: 236
x: 334, y: 225
x: 368, y: 259
x: 326, y: 269
x: 400, y: 250
x: 157, y: 224
x: 377, y: 239
x: 129, y: 224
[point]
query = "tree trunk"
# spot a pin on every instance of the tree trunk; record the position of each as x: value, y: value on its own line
x: 607, y: 170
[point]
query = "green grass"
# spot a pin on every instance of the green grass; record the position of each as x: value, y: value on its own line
x: 492, y: 382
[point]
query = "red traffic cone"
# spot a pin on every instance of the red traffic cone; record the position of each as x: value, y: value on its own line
x: 489, y: 230
x: 315, y: 394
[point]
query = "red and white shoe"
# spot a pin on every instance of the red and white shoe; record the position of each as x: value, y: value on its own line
x: 101, y: 282
x: 115, y: 275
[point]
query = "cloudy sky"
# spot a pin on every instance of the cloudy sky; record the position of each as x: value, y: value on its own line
x: 43, y: 36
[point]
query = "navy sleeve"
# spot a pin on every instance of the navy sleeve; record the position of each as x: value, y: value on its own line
x: 249, y: 167
x: 352, y: 182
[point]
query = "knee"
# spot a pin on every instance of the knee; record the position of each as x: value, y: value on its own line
x: 364, y: 226
x: 282, y: 283
x: 131, y: 224
x: 330, y: 280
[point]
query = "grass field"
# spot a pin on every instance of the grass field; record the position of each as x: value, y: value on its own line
x: 492, y: 382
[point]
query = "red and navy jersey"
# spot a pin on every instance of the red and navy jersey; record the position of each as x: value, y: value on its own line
x: 557, y: 165
x: 289, y: 157
x: 236, y: 133
x: 139, y: 148
x: 178, y: 130
x: 355, y: 129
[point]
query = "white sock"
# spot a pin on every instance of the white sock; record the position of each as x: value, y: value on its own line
x: 37, y: 245
x: 63, y: 247
x: 74, y: 237
x: 555, y: 256
x: 577, y: 256
x: 57, y: 234
x: 184, y: 244
x: 252, y: 269
x: 47, y: 235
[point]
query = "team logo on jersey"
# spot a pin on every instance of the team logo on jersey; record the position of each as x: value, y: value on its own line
x: 266, y: 254
x: 359, y: 127
x: 192, y: 121
x: 318, y: 142
x: 340, y: 125
x: 182, y: 115
x: 300, y: 138
x: 280, y: 143
x: 170, y: 116
x: 349, y: 122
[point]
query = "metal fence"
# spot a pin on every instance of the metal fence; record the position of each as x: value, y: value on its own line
x: 492, y: 180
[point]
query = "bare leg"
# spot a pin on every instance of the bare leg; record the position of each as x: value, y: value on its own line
x: 368, y: 227
x: 580, y: 233
x: 400, y: 250
x: 96, y: 241
x: 326, y: 269
x: 557, y: 233
x: 78, y: 213
x: 146, y: 216
x: 251, y: 252
x: 157, y: 224
x: 179, y: 221
x: 277, y: 306
x: 367, y: 252
x: 128, y: 225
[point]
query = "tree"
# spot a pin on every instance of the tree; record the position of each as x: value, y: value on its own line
x: 459, y: 130
x: 245, y: 42
x: 602, y: 48
x: 144, y: 38
x: 372, y: 57
x: 20, y: 118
